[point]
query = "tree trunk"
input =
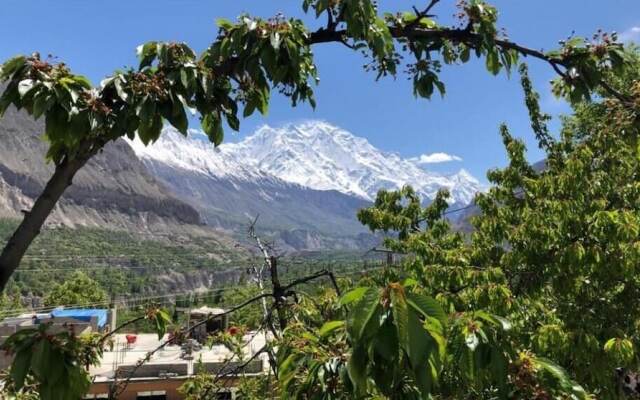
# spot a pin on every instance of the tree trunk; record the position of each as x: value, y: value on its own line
x: 33, y: 220
x: 278, y: 293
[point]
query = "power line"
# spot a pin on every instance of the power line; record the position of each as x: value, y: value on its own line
x: 129, y: 303
x: 123, y: 267
x: 136, y: 301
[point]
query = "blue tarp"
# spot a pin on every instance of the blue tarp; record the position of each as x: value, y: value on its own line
x: 83, y: 314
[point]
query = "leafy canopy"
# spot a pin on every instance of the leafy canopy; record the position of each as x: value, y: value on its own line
x: 252, y: 57
x: 78, y: 290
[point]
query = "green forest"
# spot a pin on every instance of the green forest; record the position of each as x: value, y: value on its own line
x: 537, y: 301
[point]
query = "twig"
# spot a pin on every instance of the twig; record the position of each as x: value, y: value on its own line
x: 271, y: 261
x: 422, y: 14
x: 309, y: 278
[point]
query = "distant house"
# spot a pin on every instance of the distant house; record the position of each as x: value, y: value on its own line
x: 203, y: 321
x: 167, y: 369
x: 78, y: 321
x: 160, y: 377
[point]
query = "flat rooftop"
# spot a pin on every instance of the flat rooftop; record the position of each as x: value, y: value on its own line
x: 169, y: 360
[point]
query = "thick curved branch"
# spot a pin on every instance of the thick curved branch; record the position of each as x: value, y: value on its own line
x: 466, y: 36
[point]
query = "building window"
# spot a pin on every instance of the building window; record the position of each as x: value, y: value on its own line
x: 155, y: 395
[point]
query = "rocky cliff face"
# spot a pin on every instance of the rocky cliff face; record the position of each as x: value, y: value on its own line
x: 113, y: 190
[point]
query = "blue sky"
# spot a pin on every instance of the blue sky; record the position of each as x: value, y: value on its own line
x: 96, y: 37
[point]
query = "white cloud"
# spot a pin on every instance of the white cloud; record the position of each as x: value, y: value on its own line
x: 630, y: 35
x: 434, y: 158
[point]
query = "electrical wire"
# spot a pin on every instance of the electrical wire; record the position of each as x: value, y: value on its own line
x: 136, y: 301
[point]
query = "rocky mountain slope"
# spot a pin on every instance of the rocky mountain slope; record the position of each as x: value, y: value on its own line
x: 229, y: 193
x: 306, y: 181
x: 114, y: 190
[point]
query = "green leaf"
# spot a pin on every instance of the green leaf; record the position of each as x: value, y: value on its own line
x: 233, y: 121
x: 426, y: 306
x: 561, y: 376
x: 441, y: 87
x: 419, y: 342
x: 357, y: 369
x: 79, y: 124
x: 41, y: 103
x: 212, y: 126
x: 20, y: 367
x: 493, y: 62
x: 56, y: 120
x: 362, y: 312
x: 82, y: 81
x: 400, y: 312
x: 353, y: 295
x: 117, y: 82
x: 263, y: 102
x: 329, y: 327
x: 386, y: 342
x: 11, y: 66
x: 249, y: 108
x: 41, y: 362
x: 494, y: 320
x: 178, y: 116
x: 224, y: 24
x: 149, y: 130
x: 465, y: 54
x: 147, y: 53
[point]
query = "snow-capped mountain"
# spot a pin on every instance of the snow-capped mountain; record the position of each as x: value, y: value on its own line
x: 313, y: 154
x: 304, y: 179
x: 229, y: 193
x: 322, y: 156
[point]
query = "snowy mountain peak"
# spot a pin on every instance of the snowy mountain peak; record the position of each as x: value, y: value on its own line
x: 193, y: 153
x: 322, y: 156
x: 315, y: 154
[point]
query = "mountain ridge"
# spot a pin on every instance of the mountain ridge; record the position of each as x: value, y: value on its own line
x: 323, y: 156
x: 312, y: 154
x: 113, y: 189
x: 306, y: 181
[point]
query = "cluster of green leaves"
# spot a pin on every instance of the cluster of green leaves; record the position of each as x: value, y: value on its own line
x: 253, y: 56
x: 160, y: 318
x: 53, y: 91
x: 587, y: 63
x: 555, y: 246
x: 390, y: 344
x: 572, y: 232
x: 270, y: 53
x: 397, y: 339
x: 54, y: 362
x: 483, y: 355
x: 79, y: 290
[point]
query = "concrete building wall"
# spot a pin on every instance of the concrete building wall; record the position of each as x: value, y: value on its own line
x: 170, y: 386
